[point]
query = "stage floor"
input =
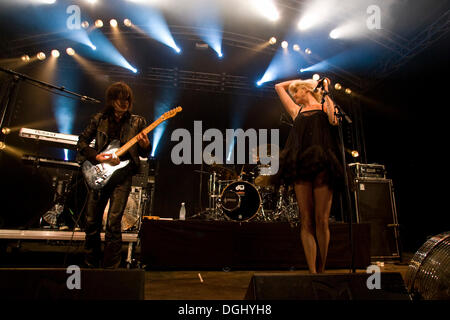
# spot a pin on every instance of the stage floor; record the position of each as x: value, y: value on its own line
x: 223, y: 285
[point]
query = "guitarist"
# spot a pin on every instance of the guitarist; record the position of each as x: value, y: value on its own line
x: 115, y: 122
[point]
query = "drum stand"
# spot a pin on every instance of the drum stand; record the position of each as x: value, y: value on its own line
x: 212, y: 212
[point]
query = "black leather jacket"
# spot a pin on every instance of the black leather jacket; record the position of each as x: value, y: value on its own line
x: 98, y: 130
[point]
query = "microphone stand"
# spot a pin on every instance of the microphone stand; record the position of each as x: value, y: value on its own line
x: 341, y: 115
x: 16, y: 77
x: 20, y: 76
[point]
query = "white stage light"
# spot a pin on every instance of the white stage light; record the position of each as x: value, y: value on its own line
x: 41, y: 56
x: 267, y: 8
x: 99, y: 23
x: 70, y: 51
x: 284, y: 44
x: 127, y: 22
x: 334, y: 34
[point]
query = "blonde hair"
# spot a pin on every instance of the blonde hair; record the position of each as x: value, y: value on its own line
x: 309, y: 85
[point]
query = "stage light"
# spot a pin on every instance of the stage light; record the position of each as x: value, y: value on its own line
x: 350, y: 29
x: 6, y: 131
x: 70, y: 51
x: 315, y: 13
x: 25, y: 57
x: 273, y: 40
x: 337, y: 86
x: 348, y: 91
x: 113, y: 23
x: 259, y: 83
x: 2, y: 145
x: 306, y: 22
x: 267, y: 8
x: 302, y: 70
x: 316, y: 77
x: 99, y: 23
x: 308, y: 51
x: 85, y: 24
x: 355, y: 154
x: 284, y: 44
x: 220, y: 55
x: 41, y: 56
x: 55, y: 53
x: 158, y: 29
x: 127, y: 22
x: 334, y: 34
x: 133, y: 69
x: 93, y: 47
x: 296, y: 47
x: 91, y: 1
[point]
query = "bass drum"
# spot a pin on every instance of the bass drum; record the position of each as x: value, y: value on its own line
x: 240, y: 201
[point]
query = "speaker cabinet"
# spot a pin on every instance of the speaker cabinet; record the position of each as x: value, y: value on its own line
x: 326, y: 287
x: 59, y: 284
x: 375, y: 204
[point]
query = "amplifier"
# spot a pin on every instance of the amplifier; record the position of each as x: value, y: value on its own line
x: 375, y: 204
x: 367, y: 170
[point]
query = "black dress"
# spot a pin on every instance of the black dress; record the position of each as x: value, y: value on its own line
x: 311, y: 148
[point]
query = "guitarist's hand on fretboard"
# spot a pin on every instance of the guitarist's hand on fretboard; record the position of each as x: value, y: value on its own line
x: 143, y: 141
x: 107, y: 158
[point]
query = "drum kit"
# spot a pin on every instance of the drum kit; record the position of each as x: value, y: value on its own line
x: 248, y: 195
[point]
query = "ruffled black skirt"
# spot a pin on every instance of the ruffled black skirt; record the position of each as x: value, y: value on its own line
x: 312, y: 148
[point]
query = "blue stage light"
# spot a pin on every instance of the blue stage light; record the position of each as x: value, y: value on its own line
x: 105, y: 51
x: 164, y: 103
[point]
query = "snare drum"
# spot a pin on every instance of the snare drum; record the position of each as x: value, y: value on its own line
x: 240, y: 201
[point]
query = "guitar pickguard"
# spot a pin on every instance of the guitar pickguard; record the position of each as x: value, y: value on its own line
x: 97, y: 176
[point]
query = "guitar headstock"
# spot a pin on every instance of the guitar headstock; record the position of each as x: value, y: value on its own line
x: 171, y: 113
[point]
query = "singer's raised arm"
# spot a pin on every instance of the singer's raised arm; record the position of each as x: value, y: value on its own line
x: 289, y: 105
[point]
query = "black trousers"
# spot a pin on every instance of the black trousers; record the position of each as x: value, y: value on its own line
x: 116, y: 192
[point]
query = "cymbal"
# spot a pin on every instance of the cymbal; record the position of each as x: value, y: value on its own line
x: 268, y: 147
x: 225, y: 172
x: 262, y: 181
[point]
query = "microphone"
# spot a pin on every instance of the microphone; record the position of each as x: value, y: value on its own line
x: 89, y: 99
x: 319, y: 84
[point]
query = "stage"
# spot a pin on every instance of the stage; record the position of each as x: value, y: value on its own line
x: 193, y: 244
x: 188, y: 260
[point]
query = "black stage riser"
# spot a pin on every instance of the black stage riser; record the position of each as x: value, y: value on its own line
x: 247, y: 245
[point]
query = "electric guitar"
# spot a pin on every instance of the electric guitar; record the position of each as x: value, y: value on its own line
x: 97, y: 176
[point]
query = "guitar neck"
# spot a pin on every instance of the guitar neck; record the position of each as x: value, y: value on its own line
x: 123, y: 149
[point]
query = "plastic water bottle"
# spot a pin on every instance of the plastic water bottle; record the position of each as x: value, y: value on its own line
x: 182, y: 212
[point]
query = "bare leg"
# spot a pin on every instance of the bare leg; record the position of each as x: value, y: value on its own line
x: 323, y: 197
x: 304, y: 194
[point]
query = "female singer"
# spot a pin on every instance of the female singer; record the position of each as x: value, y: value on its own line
x: 310, y: 163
